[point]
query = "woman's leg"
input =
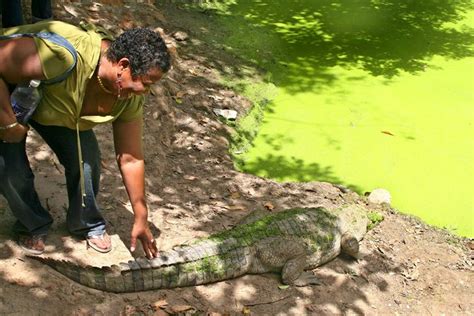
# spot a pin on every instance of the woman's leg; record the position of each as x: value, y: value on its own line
x: 41, y: 10
x: 17, y: 186
x: 12, y: 14
x: 82, y: 220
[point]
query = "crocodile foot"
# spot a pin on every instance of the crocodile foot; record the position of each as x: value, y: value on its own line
x: 307, y: 278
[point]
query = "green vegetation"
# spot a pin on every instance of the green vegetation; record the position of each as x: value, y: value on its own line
x: 215, y: 6
x: 259, y: 229
x: 374, y: 219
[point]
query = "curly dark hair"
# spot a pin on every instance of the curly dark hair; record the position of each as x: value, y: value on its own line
x: 144, y: 49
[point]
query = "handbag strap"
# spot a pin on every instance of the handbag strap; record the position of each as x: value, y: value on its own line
x: 56, y: 39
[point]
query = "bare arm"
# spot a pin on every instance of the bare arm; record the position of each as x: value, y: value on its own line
x: 129, y: 151
x: 19, y: 63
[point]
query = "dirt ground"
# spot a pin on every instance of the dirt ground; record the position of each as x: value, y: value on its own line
x: 407, y: 267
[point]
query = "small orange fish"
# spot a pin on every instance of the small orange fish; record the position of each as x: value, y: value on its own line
x: 388, y: 133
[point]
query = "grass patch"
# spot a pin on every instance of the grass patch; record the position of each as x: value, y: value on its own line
x: 374, y: 219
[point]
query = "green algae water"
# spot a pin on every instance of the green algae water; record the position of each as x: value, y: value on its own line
x: 370, y: 94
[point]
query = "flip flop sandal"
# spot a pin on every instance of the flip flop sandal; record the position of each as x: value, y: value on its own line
x: 101, y: 243
x: 32, y: 245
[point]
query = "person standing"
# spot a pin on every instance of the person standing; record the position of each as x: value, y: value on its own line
x: 106, y: 85
x: 12, y: 14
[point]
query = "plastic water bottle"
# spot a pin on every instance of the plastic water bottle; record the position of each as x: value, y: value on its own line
x: 24, y: 100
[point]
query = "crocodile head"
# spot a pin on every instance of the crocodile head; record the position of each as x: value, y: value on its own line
x: 353, y: 221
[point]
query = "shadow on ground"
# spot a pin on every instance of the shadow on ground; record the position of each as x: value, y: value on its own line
x: 301, y: 42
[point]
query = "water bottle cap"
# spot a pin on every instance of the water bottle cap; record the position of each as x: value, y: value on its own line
x: 35, y: 83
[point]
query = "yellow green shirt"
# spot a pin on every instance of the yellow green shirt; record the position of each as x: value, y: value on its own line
x: 61, y: 103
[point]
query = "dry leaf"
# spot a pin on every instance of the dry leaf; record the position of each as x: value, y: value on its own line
x: 180, y: 94
x: 159, y: 304
x: 181, y: 308
x: 269, y: 206
x: 246, y: 311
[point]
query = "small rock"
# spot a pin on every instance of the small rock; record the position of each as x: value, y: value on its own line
x: 380, y: 196
x: 227, y: 114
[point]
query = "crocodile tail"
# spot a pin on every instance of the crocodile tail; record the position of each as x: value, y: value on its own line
x: 107, y: 278
x: 171, y: 269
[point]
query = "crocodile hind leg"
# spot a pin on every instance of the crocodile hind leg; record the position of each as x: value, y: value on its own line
x: 286, y: 255
x: 293, y: 273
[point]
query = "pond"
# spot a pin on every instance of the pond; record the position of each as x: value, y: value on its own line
x: 371, y: 94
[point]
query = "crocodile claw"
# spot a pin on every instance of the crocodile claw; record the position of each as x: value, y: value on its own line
x: 307, y: 278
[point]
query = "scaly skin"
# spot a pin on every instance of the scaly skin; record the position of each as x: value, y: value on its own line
x: 287, y: 242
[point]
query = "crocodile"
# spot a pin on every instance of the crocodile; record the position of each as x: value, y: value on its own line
x: 287, y: 242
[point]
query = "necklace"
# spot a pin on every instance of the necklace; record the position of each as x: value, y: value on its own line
x: 101, y: 84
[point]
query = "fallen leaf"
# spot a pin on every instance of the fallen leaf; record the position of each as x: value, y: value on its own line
x: 180, y: 94
x: 283, y: 286
x: 269, y: 206
x: 159, y: 304
x: 181, y: 308
x: 246, y: 310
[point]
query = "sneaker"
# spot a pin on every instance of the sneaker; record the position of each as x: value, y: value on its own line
x: 32, y: 245
x: 101, y: 243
